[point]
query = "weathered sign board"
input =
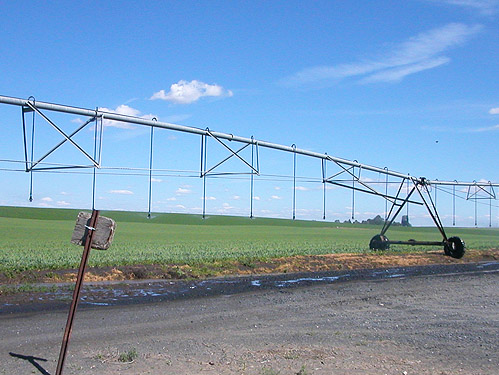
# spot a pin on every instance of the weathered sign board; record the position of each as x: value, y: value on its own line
x: 104, y: 231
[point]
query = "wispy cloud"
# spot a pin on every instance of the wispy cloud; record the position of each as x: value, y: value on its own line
x: 485, y: 7
x: 123, y: 192
x: 126, y: 111
x: 184, y: 92
x: 494, y: 111
x: 421, y: 52
x: 209, y: 198
x: 182, y: 190
x: 493, y: 128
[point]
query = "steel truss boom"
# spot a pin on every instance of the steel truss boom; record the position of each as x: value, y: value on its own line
x: 206, y: 132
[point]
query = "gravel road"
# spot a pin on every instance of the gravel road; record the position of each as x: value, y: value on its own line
x: 426, y: 324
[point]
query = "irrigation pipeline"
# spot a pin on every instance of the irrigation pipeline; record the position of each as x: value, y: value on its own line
x: 230, y: 137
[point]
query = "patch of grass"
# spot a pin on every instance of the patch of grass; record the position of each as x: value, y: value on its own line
x: 128, y: 356
x: 302, y: 371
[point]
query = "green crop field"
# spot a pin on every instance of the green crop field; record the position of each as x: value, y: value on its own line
x: 38, y: 239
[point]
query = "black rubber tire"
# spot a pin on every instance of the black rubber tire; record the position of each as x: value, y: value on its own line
x: 454, y: 247
x: 379, y: 242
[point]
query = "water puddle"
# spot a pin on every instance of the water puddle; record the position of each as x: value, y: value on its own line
x: 112, y: 293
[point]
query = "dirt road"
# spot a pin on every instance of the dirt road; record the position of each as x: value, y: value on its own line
x: 426, y: 324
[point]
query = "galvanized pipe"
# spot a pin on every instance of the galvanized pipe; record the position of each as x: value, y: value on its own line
x: 205, y: 132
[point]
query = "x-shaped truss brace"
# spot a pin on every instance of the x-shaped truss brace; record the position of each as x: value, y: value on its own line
x: 204, y: 171
x: 479, y: 189
x: 31, y: 164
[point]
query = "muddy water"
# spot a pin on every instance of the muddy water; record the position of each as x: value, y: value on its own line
x: 132, y: 292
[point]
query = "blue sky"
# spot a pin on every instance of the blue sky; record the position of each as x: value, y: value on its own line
x: 409, y: 85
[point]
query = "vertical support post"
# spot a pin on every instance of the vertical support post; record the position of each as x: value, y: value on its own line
x: 76, y: 292
x: 203, y: 163
x: 454, y: 205
x: 95, y: 158
x: 490, y: 211
x: 386, y: 194
x: 324, y: 172
x: 436, y: 187
x: 407, y: 208
x: 150, y: 171
x: 251, y: 178
x: 294, y: 181
x: 32, y: 154
x: 476, y: 192
x: 353, y: 192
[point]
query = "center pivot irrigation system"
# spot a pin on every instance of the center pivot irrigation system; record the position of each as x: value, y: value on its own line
x: 348, y: 174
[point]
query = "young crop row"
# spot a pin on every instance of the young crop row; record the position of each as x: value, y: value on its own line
x: 27, y: 244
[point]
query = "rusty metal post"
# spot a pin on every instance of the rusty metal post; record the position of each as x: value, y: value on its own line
x: 76, y: 294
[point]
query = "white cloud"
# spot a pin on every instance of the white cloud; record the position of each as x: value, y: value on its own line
x: 181, y: 190
x: 63, y: 203
x: 236, y: 197
x: 180, y: 206
x: 64, y: 193
x: 125, y: 111
x: 226, y: 207
x: 156, y: 179
x: 124, y: 192
x: 47, y: 199
x: 275, y: 197
x: 256, y: 198
x: 184, y: 92
x: 171, y: 199
x: 302, y: 188
x: 209, y: 198
x: 277, y: 188
x: 421, y: 52
x: 494, y: 111
x: 399, y: 73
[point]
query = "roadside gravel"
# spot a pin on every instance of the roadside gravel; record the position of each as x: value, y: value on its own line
x: 417, y: 325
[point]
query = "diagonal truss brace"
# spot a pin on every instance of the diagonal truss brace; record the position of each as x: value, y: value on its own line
x: 204, y: 172
x: 421, y: 187
x: 30, y: 165
x: 477, y: 189
x: 365, y: 188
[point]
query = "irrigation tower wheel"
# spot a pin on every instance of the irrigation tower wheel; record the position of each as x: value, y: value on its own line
x: 454, y: 247
x: 379, y: 242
